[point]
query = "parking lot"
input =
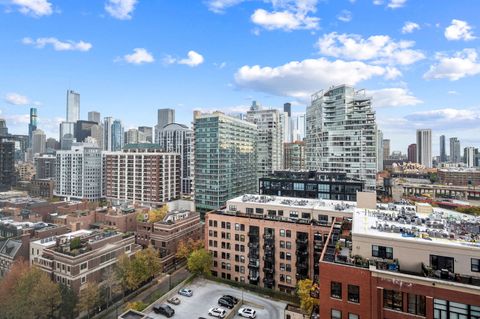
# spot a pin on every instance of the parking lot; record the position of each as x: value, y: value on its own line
x: 206, y: 294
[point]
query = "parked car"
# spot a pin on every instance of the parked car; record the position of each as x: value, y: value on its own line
x: 174, y: 300
x: 217, y: 312
x: 247, y: 313
x: 226, y: 303
x: 231, y: 298
x: 185, y: 292
x: 164, y: 309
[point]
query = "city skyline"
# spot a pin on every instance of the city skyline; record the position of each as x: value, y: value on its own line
x: 177, y: 59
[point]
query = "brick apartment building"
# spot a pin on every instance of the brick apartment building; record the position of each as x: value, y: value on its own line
x: 178, y: 225
x: 74, y: 263
x: 401, y: 262
x: 268, y: 241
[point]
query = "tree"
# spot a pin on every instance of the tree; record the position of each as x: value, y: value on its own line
x: 110, y: 284
x: 88, y: 298
x: 200, y: 262
x: 305, y: 288
x: 186, y: 247
x: 142, y: 266
x: 156, y: 215
x: 136, y: 305
x: 69, y: 302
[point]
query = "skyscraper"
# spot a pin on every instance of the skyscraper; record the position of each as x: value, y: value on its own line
x: 32, y: 126
x: 3, y: 128
x: 165, y: 116
x: 39, y: 140
x: 380, y: 153
x: 269, y: 146
x: 178, y: 138
x: 147, y: 132
x: 67, y: 135
x: 424, y: 147
x: 83, y: 129
x: 342, y: 134
x: 225, y: 159
x: 107, y: 134
x: 386, y: 148
x: 94, y: 116
x: 7, y: 165
x: 287, y: 108
x: 443, y: 151
x: 412, y: 153
x: 117, y: 135
x: 455, y: 155
x: 469, y: 154
x: 73, y: 106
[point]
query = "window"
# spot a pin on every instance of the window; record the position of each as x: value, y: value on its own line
x: 83, y: 266
x: 306, y: 215
x: 83, y: 279
x: 353, y: 293
x: 336, y: 290
x: 442, y: 262
x: 288, y: 233
x: 475, y: 265
x: 282, y: 267
x: 416, y: 304
x: 382, y: 252
x: 299, y: 186
x: 282, y: 232
x: 353, y: 316
x: 249, y: 210
x: 280, y: 213
x: 259, y: 210
x: 336, y: 314
x: 392, y: 300
x: 443, y: 309
x: 288, y: 245
x: 288, y: 267
x: 288, y: 279
x: 282, y: 244
x: 293, y: 214
x: 288, y: 256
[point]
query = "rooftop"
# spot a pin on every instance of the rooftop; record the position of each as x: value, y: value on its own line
x: 405, y: 222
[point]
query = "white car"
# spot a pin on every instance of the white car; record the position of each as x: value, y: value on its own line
x: 247, y: 313
x: 217, y: 312
x: 185, y: 292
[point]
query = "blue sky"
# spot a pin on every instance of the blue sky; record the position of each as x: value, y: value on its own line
x: 127, y: 58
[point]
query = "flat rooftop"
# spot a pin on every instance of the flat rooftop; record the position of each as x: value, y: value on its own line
x: 294, y: 202
x: 50, y: 241
x: 404, y: 222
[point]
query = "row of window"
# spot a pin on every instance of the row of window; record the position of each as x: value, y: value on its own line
x: 337, y: 314
x: 393, y: 300
x: 353, y: 292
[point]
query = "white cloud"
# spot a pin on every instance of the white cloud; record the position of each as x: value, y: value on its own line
x: 377, y: 48
x: 139, y: 56
x: 452, y: 92
x: 299, y: 79
x: 193, y: 59
x: 461, y: 64
x: 284, y: 20
x: 36, y: 8
x: 459, y: 30
x: 394, y: 4
x: 219, y: 6
x: 377, y: 2
x: 409, y: 27
x: 58, y: 45
x: 120, y: 9
x: 392, y: 97
x: 345, y: 16
x: 447, y: 118
x: 16, y: 99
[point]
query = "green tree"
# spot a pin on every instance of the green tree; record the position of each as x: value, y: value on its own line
x: 200, y: 262
x: 67, y: 308
x: 88, y: 298
x: 305, y: 288
x: 132, y: 272
x: 186, y: 247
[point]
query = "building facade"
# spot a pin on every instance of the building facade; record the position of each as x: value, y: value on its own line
x: 79, y: 172
x: 94, y: 116
x: 294, y: 156
x: 342, y: 134
x: 32, y: 126
x: 7, y: 165
x: 141, y: 173
x: 443, y: 150
x: 424, y: 147
x: 44, y: 166
x: 311, y: 184
x: 455, y: 155
x: 178, y: 138
x: 73, y: 106
x: 412, y: 153
x: 459, y: 176
x: 225, y: 159
x: 469, y: 156
x: 147, y: 132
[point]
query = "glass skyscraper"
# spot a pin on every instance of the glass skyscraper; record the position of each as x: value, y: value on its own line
x: 73, y: 106
x: 117, y: 135
x: 225, y: 159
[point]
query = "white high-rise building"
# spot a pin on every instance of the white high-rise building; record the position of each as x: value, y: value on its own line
x: 67, y: 135
x: 94, y: 116
x: 380, y: 151
x: 469, y: 154
x: 134, y: 136
x: 341, y: 134
x: 178, y: 138
x: 269, y: 146
x: 107, y: 133
x: 73, y: 106
x: 79, y: 172
x: 424, y: 147
x: 39, y: 142
x: 96, y: 131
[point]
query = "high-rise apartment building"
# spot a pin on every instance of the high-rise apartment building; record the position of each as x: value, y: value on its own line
x: 67, y: 135
x: 147, y: 132
x: 380, y: 154
x: 469, y: 154
x: 79, y: 172
x: 342, y: 134
x: 94, y: 116
x: 455, y: 155
x: 73, y: 106
x: 225, y: 159
x: 269, y: 146
x: 297, y: 125
x: 178, y: 138
x: 39, y: 142
x: 294, y: 156
x: 424, y: 147
x: 141, y: 173
x: 386, y: 148
x: 165, y: 117
x: 443, y: 151
x: 412, y: 153
x: 45, y: 166
x: 32, y: 126
x: 96, y: 132
x: 7, y: 165
x: 107, y: 134
x: 52, y: 145
x: 117, y: 135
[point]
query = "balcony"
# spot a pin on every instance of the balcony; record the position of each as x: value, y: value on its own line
x: 301, y: 265
x: 253, y: 254
x: 269, y: 282
x: 302, y: 253
x: 268, y: 269
x: 268, y: 247
x: 302, y: 241
x: 254, y: 264
x: 253, y: 245
x: 269, y: 237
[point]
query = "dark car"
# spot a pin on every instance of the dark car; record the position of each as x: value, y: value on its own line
x: 226, y: 303
x: 232, y: 299
x: 164, y: 309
